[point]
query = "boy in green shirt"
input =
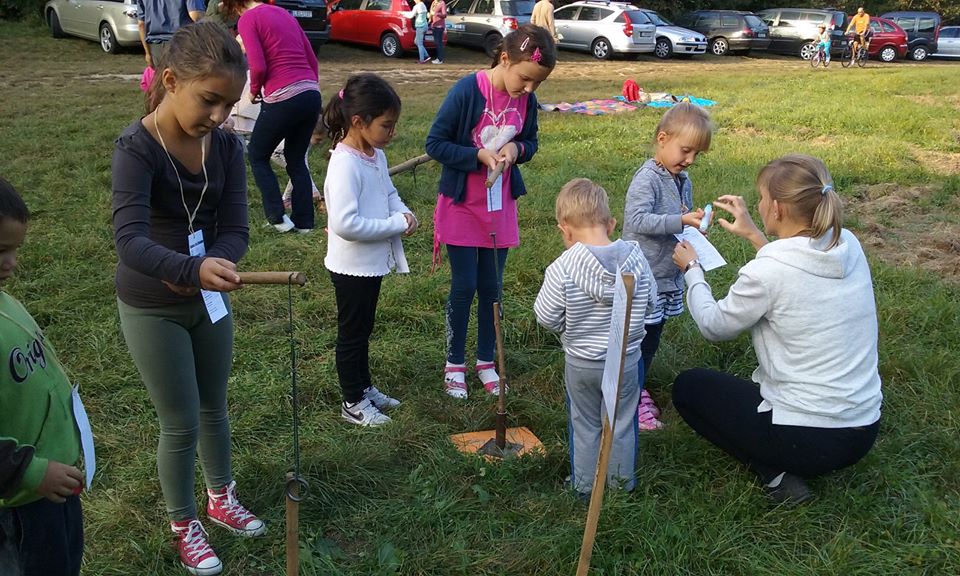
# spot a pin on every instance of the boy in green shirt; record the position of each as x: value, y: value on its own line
x: 41, y: 524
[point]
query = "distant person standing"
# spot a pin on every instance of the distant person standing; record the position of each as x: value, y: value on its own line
x: 159, y: 19
x: 438, y: 23
x: 543, y: 17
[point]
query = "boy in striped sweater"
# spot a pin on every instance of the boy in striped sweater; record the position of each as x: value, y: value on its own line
x: 576, y: 300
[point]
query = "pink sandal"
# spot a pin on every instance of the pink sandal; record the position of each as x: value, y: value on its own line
x: 493, y: 386
x: 455, y: 387
x: 646, y: 420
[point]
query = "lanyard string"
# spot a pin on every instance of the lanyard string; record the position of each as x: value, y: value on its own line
x: 203, y: 165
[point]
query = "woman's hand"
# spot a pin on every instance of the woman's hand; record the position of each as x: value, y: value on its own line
x: 692, y: 218
x: 412, y: 223
x: 683, y: 254
x: 742, y: 225
x: 219, y: 274
x: 254, y: 98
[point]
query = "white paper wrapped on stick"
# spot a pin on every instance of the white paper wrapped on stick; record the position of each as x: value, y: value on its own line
x: 709, y: 257
x: 613, y: 364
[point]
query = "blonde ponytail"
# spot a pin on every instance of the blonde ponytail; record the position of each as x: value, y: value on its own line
x: 804, y: 183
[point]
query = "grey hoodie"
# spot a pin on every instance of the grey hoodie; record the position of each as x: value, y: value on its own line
x: 813, y: 320
x: 654, y: 203
x: 576, y: 298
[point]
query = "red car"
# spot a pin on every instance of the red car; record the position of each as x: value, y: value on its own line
x: 374, y: 23
x: 889, y: 40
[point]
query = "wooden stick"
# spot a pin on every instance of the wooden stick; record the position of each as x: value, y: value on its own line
x: 409, y: 164
x: 606, y: 441
x: 298, y: 278
x: 293, y: 527
x: 495, y: 174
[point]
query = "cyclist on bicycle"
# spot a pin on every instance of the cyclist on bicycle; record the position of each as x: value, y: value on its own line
x: 861, y: 24
x: 823, y: 41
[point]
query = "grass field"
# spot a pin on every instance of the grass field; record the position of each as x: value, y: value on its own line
x: 401, y: 500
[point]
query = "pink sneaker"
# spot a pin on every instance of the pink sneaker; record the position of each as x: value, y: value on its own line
x: 645, y: 398
x: 224, y: 509
x: 645, y: 418
x: 196, y: 555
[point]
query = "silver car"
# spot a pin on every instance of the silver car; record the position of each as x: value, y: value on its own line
x: 604, y: 28
x: 673, y: 40
x: 948, y: 43
x: 483, y: 23
x: 111, y: 22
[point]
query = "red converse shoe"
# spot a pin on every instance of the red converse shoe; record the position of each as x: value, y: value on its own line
x: 224, y: 509
x: 196, y: 555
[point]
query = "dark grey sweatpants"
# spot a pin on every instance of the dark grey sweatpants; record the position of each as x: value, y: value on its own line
x: 185, y: 361
x: 585, y: 408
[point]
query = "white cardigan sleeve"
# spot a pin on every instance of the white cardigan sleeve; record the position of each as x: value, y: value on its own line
x: 341, y: 190
x: 744, y: 305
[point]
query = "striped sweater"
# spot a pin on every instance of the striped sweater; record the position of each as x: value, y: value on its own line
x: 576, y: 298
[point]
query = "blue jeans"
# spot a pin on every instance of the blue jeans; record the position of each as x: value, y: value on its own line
x: 42, y: 538
x: 438, y: 41
x: 293, y: 121
x: 472, y: 271
x: 424, y: 55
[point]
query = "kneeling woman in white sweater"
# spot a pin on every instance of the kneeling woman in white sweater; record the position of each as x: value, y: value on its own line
x: 807, y: 300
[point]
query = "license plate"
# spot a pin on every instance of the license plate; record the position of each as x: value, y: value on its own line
x: 761, y: 35
x: 301, y: 13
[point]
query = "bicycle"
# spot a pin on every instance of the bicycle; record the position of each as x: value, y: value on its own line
x: 819, y: 57
x: 848, y: 57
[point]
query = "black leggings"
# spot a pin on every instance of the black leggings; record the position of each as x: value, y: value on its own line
x: 723, y: 409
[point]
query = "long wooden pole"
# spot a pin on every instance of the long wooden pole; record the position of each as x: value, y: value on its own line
x: 298, y: 278
x: 606, y: 441
x: 408, y: 164
x: 501, y: 427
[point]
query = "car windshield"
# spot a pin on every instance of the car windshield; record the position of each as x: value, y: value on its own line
x: 753, y: 21
x: 517, y: 7
x: 658, y: 20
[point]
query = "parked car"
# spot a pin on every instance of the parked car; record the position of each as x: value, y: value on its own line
x: 605, y: 28
x: 948, y: 43
x: 111, y: 22
x: 922, y: 29
x: 728, y: 30
x: 888, y: 42
x: 794, y: 30
x: 670, y: 39
x: 374, y: 23
x: 483, y: 23
x: 310, y: 14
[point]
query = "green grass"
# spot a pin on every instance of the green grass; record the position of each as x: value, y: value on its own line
x: 401, y: 500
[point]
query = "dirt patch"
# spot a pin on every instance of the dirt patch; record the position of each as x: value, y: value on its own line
x: 931, y: 100
x: 945, y: 163
x: 898, y: 226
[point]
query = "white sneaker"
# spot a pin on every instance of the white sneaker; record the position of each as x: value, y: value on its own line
x: 437, y: 61
x: 379, y: 399
x: 285, y: 225
x: 303, y: 230
x: 363, y: 413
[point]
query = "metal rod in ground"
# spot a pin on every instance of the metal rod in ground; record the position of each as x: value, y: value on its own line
x: 501, y: 428
x: 408, y: 164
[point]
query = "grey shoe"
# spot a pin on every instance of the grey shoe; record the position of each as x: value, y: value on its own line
x: 792, y: 491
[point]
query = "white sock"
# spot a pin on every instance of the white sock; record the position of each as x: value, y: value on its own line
x: 455, y: 376
x: 776, y: 481
x: 487, y: 374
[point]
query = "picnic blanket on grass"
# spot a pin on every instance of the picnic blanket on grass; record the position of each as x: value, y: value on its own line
x: 603, y: 106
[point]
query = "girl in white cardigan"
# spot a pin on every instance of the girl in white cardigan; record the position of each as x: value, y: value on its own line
x: 365, y: 220
x: 807, y: 301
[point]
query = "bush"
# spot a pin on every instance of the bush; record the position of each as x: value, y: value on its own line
x: 19, y: 9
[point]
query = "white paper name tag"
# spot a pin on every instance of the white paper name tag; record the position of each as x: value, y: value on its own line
x: 216, y: 309
x: 495, y: 195
x: 86, y: 437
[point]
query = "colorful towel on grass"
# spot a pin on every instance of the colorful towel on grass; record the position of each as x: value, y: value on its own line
x: 595, y: 107
x: 603, y: 106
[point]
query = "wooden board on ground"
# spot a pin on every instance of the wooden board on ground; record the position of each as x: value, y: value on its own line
x: 471, y: 442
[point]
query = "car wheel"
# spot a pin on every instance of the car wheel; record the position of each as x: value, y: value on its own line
x: 491, y: 43
x: 888, y: 54
x: 663, y: 49
x: 390, y: 45
x: 55, y: 30
x: 808, y: 50
x: 919, y: 54
x: 719, y: 46
x: 108, y: 40
x: 601, y: 49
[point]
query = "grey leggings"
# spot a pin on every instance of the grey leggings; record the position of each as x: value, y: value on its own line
x: 184, y: 361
